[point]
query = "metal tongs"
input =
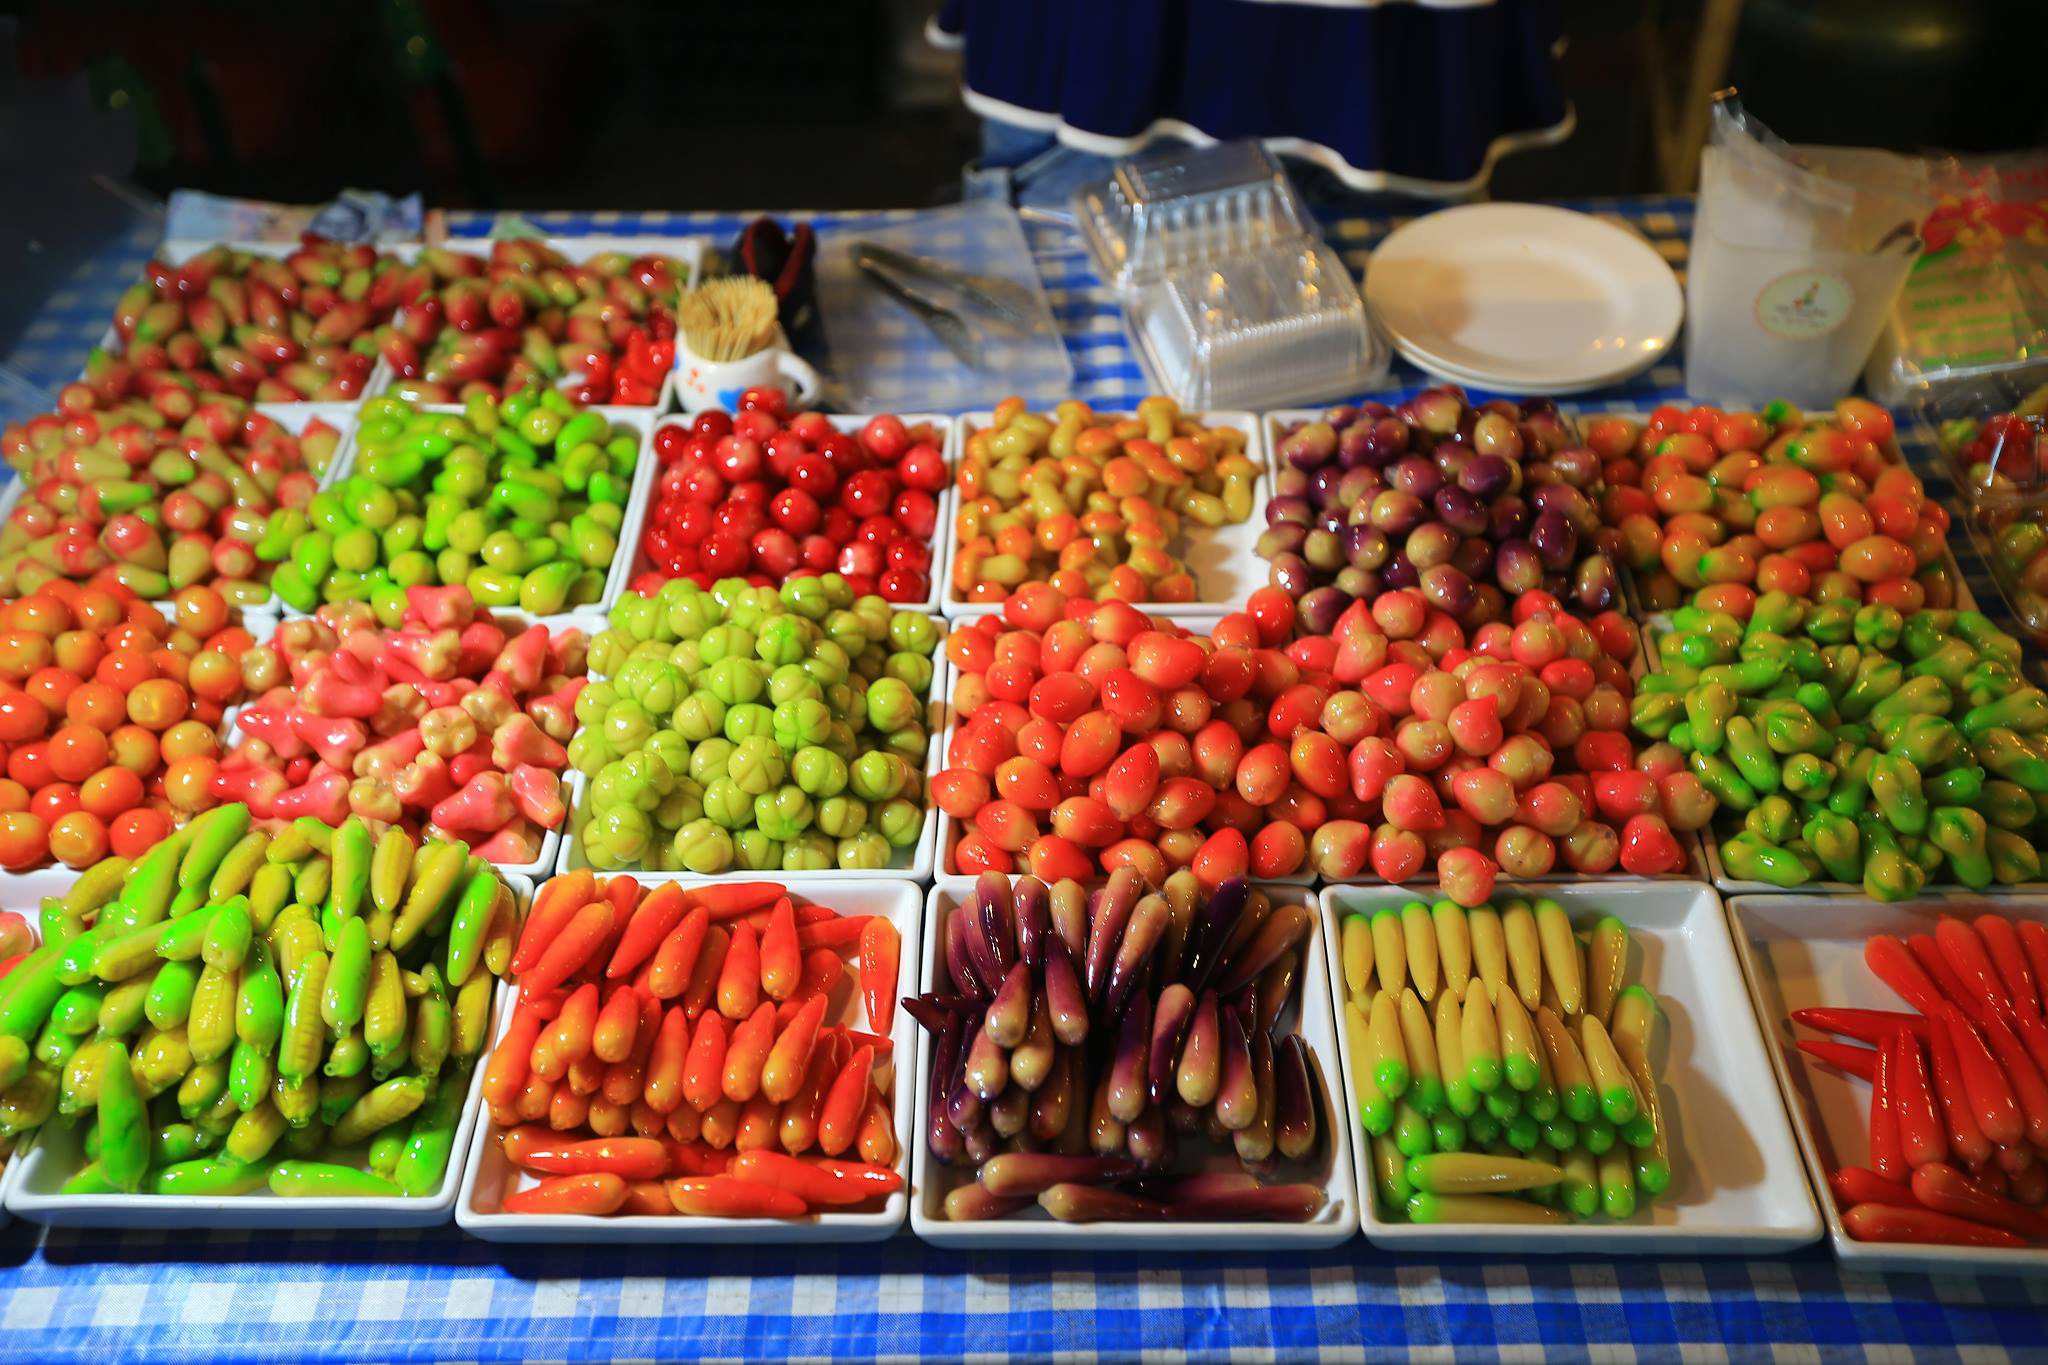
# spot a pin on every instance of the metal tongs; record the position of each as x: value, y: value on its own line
x: 955, y: 305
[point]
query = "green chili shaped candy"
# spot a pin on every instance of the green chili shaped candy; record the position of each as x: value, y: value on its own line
x: 1772, y: 819
x: 123, y: 1121
x: 2011, y: 756
x: 1964, y: 837
x: 2013, y: 859
x: 1807, y: 776
x: 1791, y: 729
x: 1954, y: 786
x: 1720, y: 778
x: 1928, y: 741
x: 1878, y: 626
x: 1895, y: 787
x: 1836, y: 842
x: 326, y: 1179
x: 1850, y: 794
x: 1707, y: 709
x: 1877, y: 680
x: 2025, y: 711
x: 1888, y: 874
x: 1916, y: 696
x: 1751, y: 859
x: 432, y: 1141
x: 1752, y: 756
x: 209, y: 1177
x: 1950, y: 663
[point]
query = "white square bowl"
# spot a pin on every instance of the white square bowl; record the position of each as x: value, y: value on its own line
x: 1737, y: 1182
x: 1710, y: 841
x: 1802, y: 951
x: 949, y: 829
x: 913, y: 862
x: 488, y: 1176
x: 35, y: 1190
x: 1033, y: 1229
x: 1223, y: 559
x: 639, y: 420
x: 587, y: 619
x: 178, y: 250
x: 642, y: 505
x: 690, y: 251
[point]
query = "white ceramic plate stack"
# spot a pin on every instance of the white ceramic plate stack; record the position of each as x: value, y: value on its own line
x: 1523, y: 298
x: 488, y: 1177
x: 1737, y: 1184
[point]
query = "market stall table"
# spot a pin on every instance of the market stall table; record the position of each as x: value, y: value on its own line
x: 72, y: 1295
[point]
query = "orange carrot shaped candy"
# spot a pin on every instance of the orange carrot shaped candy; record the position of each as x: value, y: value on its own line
x: 748, y: 1052
x: 731, y: 900
x: 505, y: 1077
x: 782, y: 1075
x: 739, y: 978
x: 704, y: 1071
x: 839, y: 1121
x: 819, y: 1180
x: 649, y: 925
x: 666, y: 1064
x: 880, y: 946
x: 801, y: 1113
x: 618, y: 1025
x: 674, y: 960
x: 567, y: 1040
x: 721, y: 1196
x: 584, y: 1194
x: 554, y: 907
x: 575, y: 945
x: 822, y: 970
x: 781, y: 962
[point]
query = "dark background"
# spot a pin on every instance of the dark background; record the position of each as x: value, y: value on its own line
x: 838, y: 103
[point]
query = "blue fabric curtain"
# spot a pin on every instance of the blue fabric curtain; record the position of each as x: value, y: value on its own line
x: 1397, y: 90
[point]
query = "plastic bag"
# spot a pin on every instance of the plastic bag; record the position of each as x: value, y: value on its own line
x: 1797, y: 256
x: 1975, y: 304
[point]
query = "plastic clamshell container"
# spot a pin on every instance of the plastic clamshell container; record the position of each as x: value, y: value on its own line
x: 640, y: 421
x: 1799, y: 952
x: 912, y: 861
x: 57, y: 1156
x: 1948, y: 417
x: 1032, y: 1229
x: 488, y: 1177
x: 1283, y: 323
x: 2002, y: 532
x: 689, y: 250
x: 1223, y: 559
x: 950, y: 830
x: 1737, y: 1183
x: 1189, y: 207
x: 642, y: 507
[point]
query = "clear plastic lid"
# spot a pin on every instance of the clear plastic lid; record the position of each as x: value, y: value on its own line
x: 1159, y: 213
x: 1992, y: 432
x: 1282, y: 325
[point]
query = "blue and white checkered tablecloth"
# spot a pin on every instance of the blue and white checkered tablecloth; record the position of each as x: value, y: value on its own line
x: 441, y: 1296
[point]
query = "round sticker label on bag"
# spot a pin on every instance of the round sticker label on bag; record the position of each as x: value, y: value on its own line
x: 1804, y: 305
